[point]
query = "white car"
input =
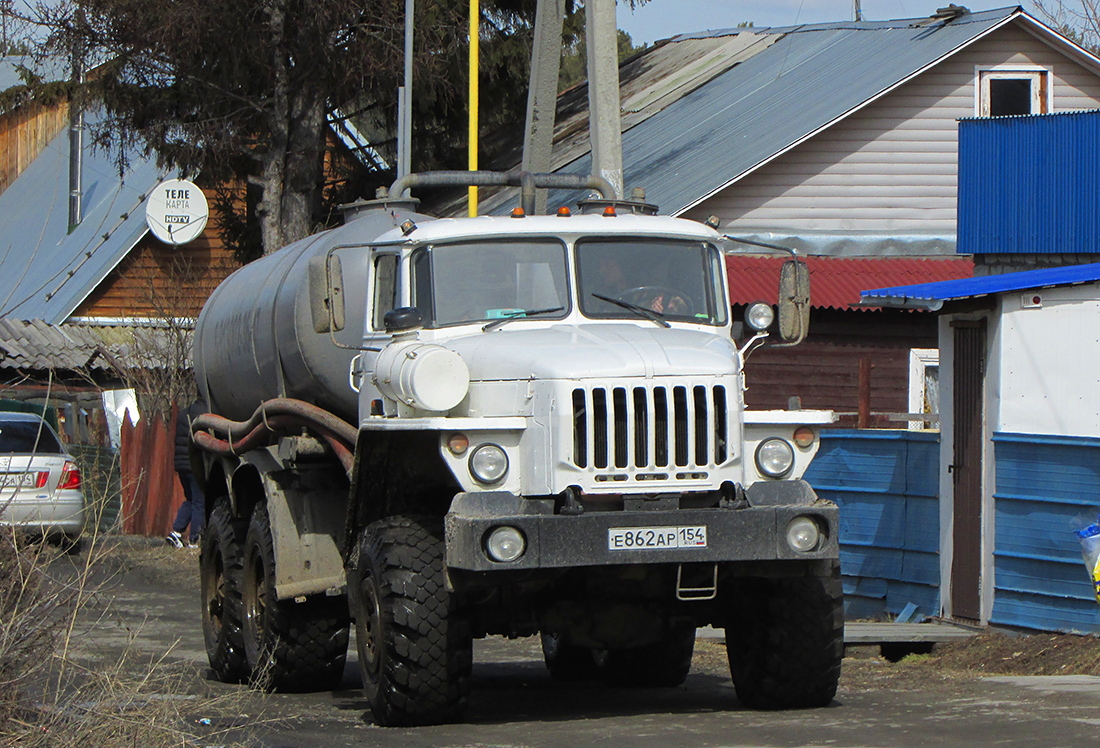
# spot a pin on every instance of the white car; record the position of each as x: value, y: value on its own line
x: 40, y: 483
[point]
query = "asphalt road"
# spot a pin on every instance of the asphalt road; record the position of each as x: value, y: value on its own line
x: 154, y: 616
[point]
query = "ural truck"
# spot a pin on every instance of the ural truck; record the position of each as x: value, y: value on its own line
x: 437, y: 430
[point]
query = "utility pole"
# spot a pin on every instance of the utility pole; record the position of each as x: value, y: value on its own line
x: 404, y: 101
x: 859, y: 11
x: 605, y: 129
x: 542, y: 92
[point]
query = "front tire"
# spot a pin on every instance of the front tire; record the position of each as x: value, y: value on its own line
x: 785, y: 641
x: 415, y: 648
x: 289, y: 646
x: 221, y: 574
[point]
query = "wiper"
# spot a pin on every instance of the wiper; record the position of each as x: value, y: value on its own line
x: 641, y: 311
x: 521, y: 314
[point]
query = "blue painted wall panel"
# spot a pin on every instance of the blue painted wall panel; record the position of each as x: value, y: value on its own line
x: 886, y: 485
x: 1046, y: 487
x: 1029, y: 185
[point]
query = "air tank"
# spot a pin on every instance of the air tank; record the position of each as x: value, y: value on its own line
x: 255, y: 338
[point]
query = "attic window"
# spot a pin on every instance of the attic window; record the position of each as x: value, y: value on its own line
x: 1003, y: 93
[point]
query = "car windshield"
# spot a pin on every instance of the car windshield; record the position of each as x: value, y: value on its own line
x: 483, y: 281
x: 676, y: 280
x: 27, y: 437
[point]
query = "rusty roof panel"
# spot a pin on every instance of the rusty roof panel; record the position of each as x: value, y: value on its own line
x: 836, y: 283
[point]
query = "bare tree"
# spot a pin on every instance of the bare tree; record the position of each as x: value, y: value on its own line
x: 1079, y: 20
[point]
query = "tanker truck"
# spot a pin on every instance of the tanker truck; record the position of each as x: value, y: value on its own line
x: 441, y: 429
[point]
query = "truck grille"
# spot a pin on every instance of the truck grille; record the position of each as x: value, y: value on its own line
x: 650, y: 427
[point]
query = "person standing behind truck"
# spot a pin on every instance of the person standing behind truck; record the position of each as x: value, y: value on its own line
x: 192, y: 511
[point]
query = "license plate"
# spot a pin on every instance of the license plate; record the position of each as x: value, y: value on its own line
x: 656, y: 538
x: 17, y: 480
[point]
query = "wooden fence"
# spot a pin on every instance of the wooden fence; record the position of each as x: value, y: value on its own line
x: 151, y: 492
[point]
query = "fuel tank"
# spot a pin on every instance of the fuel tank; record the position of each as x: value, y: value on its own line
x: 255, y: 339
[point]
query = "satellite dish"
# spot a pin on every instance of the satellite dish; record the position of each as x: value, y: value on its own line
x: 176, y: 211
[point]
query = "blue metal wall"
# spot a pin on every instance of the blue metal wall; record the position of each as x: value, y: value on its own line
x: 1029, y: 184
x: 886, y: 484
x: 1047, y: 487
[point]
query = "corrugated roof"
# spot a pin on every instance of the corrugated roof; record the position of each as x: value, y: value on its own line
x: 46, y: 272
x: 835, y: 283
x: 932, y: 295
x: 776, y: 96
x: 36, y: 345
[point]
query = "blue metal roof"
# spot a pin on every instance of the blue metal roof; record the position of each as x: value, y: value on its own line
x: 811, y: 77
x: 932, y: 295
x: 46, y: 272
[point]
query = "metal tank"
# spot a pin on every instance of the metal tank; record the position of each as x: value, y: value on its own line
x: 255, y: 338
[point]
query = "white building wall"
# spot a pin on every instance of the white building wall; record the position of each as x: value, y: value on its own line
x: 892, y: 167
x: 1049, y: 362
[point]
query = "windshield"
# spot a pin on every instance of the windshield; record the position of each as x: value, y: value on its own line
x: 678, y: 280
x: 477, y: 282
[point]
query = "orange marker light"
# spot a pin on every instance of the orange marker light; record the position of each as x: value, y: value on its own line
x: 804, y: 436
x: 517, y: 212
x: 564, y: 211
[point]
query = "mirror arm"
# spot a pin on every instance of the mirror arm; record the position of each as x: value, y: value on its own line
x: 747, y: 348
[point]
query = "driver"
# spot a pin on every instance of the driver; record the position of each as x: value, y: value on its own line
x: 613, y: 282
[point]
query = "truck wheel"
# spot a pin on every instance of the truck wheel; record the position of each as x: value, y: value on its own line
x: 415, y: 648
x: 785, y: 641
x: 289, y: 646
x: 221, y: 572
x: 664, y: 664
x: 568, y: 662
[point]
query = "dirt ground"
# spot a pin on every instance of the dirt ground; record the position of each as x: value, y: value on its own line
x: 992, y: 653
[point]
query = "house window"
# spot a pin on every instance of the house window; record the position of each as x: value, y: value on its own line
x: 1004, y: 92
x: 924, y: 387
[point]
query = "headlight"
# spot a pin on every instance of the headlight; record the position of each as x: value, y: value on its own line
x: 759, y: 316
x: 505, y: 544
x: 488, y: 463
x: 803, y: 534
x: 774, y: 457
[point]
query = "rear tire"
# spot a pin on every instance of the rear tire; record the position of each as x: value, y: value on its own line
x: 221, y: 572
x: 785, y: 641
x: 568, y: 662
x: 415, y: 647
x: 663, y: 664
x: 289, y: 646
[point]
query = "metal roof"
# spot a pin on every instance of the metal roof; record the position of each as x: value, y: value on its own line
x: 76, y: 347
x: 783, y: 93
x: 835, y: 283
x: 932, y: 295
x: 45, y: 271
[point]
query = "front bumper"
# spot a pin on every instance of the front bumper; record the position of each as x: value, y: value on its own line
x: 554, y: 541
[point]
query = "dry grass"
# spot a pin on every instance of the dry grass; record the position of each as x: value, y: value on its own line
x: 52, y: 694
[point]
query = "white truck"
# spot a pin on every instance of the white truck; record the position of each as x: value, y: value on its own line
x: 442, y: 429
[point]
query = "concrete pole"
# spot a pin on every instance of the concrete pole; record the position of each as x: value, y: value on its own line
x: 605, y: 130
x: 542, y: 92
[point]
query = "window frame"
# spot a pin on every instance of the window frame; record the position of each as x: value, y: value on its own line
x: 1042, y: 97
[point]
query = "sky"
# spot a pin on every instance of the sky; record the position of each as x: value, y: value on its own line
x: 660, y: 19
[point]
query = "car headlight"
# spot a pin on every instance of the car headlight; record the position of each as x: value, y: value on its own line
x: 774, y: 457
x: 488, y: 463
x: 759, y: 316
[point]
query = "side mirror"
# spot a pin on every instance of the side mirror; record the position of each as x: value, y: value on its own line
x: 326, y: 294
x: 794, y: 301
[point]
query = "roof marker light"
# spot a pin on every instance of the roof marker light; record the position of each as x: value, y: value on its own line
x: 564, y: 211
x: 609, y: 211
x: 517, y: 212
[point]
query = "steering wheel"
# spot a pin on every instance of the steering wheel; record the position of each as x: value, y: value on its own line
x: 661, y: 299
